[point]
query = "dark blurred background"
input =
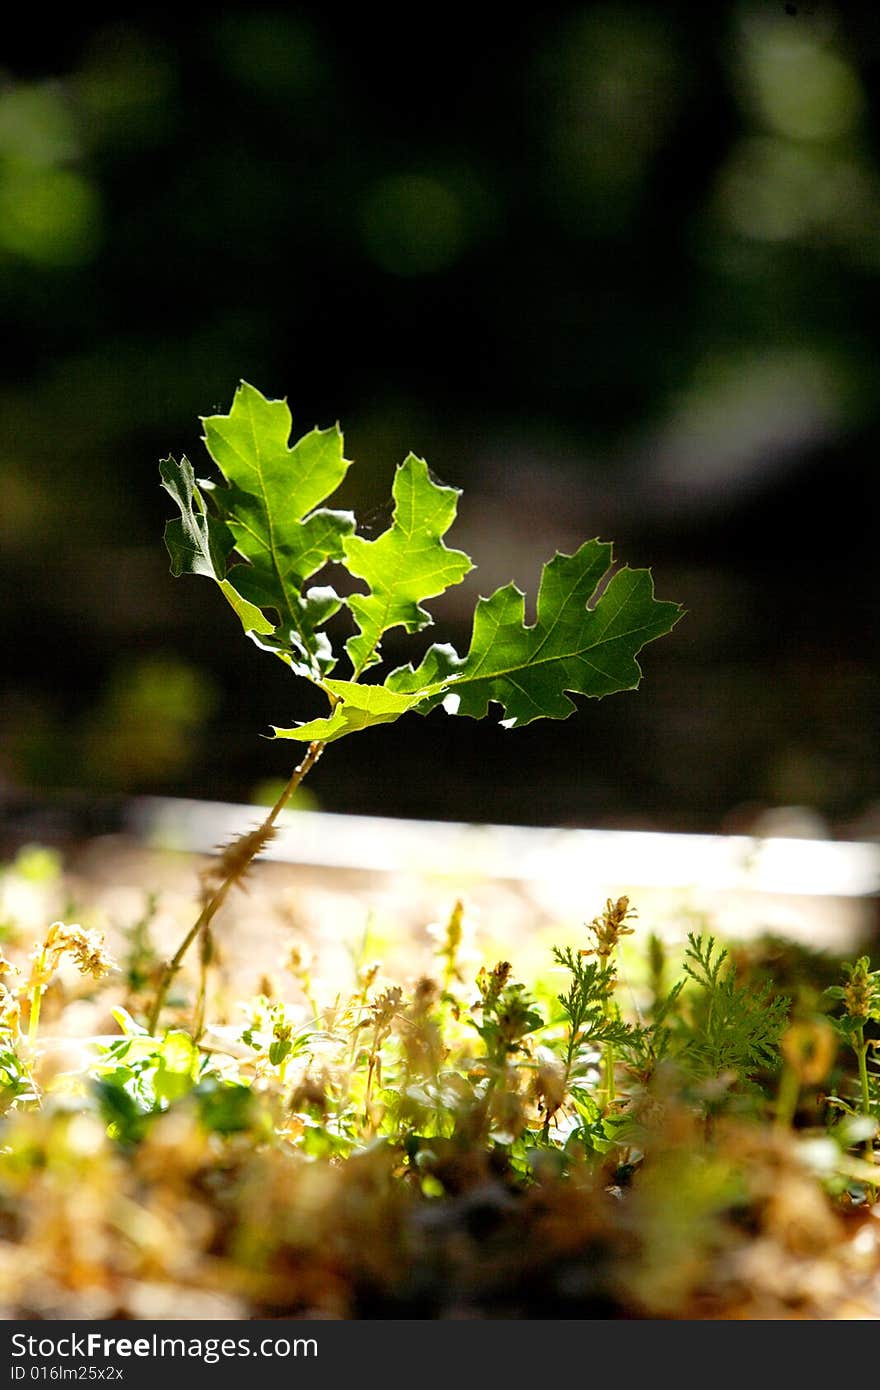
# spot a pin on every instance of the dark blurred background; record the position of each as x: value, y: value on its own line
x: 612, y: 268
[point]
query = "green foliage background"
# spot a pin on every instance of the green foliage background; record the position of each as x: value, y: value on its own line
x: 610, y: 268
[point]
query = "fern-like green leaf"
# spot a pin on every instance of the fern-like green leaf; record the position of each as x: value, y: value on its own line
x: 734, y: 1030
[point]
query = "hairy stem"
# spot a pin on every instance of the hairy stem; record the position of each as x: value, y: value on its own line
x: 215, y: 902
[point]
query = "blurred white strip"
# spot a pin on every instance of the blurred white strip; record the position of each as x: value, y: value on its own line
x: 829, y: 868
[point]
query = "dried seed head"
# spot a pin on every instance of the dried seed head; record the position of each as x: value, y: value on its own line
x: 86, y: 949
x: 861, y: 990
x: 235, y: 859
x: 426, y: 992
x: 10, y: 977
x: 449, y: 941
x: 385, y: 1007
x: 549, y: 1085
x: 610, y: 927
x: 491, y: 983
x: 454, y: 928
x: 10, y: 1014
x: 367, y: 976
x: 300, y: 962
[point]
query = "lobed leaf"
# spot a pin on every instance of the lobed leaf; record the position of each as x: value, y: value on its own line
x: 270, y: 513
x: 357, y: 707
x: 584, y: 641
x: 409, y: 562
x: 589, y: 627
x: 579, y: 643
x: 199, y: 543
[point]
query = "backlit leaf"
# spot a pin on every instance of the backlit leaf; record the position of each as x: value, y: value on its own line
x: 199, y: 543
x: 583, y: 642
x: 359, y: 707
x: 590, y: 623
x: 270, y: 512
x: 406, y: 564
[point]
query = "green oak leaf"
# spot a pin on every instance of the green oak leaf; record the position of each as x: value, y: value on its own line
x: 263, y: 532
x: 270, y: 508
x: 407, y: 563
x: 199, y: 543
x: 584, y: 641
x: 358, y: 707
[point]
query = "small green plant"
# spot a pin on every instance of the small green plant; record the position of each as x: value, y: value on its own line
x: 265, y: 535
x: 861, y: 999
x: 25, y: 990
x: 593, y: 1029
x: 137, y: 1078
x: 607, y: 930
x: 733, y: 1031
x: 478, y: 1112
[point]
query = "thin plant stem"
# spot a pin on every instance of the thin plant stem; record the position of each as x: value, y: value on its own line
x: 610, y: 1092
x: 787, y: 1098
x: 215, y: 902
x: 608, y: 1051
x: 36, y: 997
x: 862, y: 1054
x: 206, y: 955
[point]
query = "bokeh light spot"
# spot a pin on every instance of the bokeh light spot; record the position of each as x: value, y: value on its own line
x: 48, y: 216
x: 413, y: 224
x: 36, y: 125
x: 797, y: 85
